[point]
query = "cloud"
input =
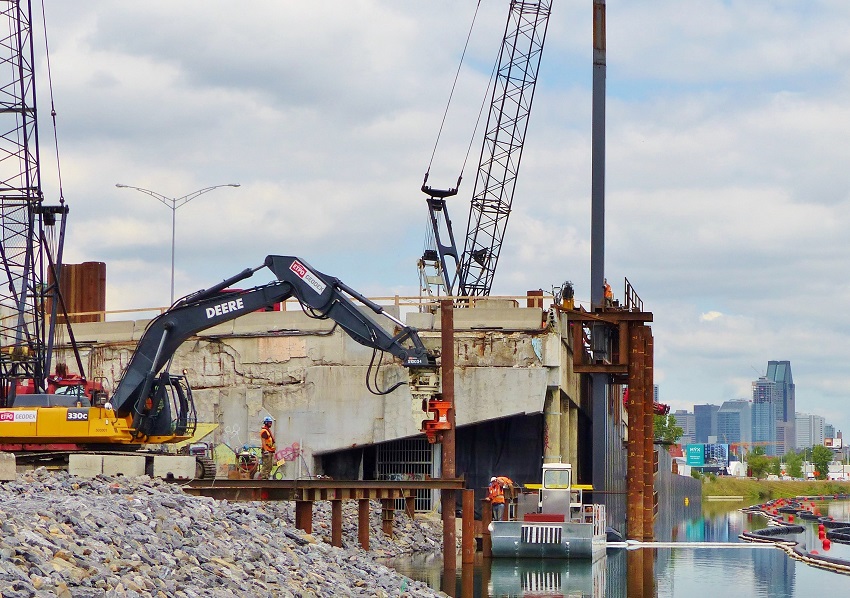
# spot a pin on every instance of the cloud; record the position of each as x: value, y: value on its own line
x: 726, y: 182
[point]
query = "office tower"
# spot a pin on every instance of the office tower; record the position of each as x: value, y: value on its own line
x: 734, y: 422
x: 765, y: 399
x: 705, y: 417
x: 687, y: 422
x: 810, y: 430
x: 779, y: 372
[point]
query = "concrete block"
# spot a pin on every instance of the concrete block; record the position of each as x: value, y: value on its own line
x: 8, y: 471
x: 420, y: 321
x: 139, y: 327
x: 85, y: 466
x: 126, y: 465
x: 178, y: 467
x: 104, y: 332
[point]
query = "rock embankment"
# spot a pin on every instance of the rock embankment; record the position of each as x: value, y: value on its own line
x: 125, y: 537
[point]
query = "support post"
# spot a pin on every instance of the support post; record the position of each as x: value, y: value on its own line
x: 410, y: 505
x: 363, y: 523
x: 304, y: 515
x: 336, y: 523
x: 387, y: 513
x: 447, y: 497
x: 486, y: 539
x: 649, y: 437
x: 467, y: 538
x: 635, y: 445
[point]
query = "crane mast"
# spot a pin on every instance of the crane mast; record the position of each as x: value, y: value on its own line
x: 501, y: 152
x: 27, y: 226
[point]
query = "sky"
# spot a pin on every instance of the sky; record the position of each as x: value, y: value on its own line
x: 727, y: 178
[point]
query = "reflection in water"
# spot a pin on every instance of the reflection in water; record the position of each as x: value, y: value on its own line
x: 651, y: 573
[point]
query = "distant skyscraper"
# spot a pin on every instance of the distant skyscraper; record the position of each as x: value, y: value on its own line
x: 764, y: 415
x: 734, y: 422
x: 779, y: 372
x: 828, y: 431
x: 687, y: 422
x: 705, y: 422
x: 810, y: 430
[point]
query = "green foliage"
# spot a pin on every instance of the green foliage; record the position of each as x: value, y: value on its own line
x: 758, y: 464
x: 793, y: 465
x: 695, y: 473
x: 758, y: 450
x: 774, y: 466
x: 821, y: 458
x: 666, y: 429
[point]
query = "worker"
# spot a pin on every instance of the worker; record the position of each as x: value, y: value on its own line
x: 496, y: 496
x: 267, y: 447
x: 609, y: 294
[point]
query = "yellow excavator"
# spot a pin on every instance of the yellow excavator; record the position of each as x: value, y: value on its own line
x: 152, y: 406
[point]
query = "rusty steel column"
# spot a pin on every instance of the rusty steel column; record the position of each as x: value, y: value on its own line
x: 304, y: 515
x: 486, y: 518
x: 336, y: 523
x: 634, y: 446
x: 467, y: 581
x: 387, y: 513
x: 410, y: 506
x: 447, y: 497
x: 634, y: 573
x: 649, y: 437
x: 363, y: 523
x: 467, y: 538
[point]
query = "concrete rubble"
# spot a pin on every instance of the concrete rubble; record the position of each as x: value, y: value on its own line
x: 73, y: 537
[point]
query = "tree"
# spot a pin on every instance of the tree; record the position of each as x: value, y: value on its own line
x: 758, y: 464
x: 666, y: 429
x: 794, y: 465
x: 774, y: 466
x: 821, y: 458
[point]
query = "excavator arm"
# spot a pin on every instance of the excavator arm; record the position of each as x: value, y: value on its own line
x: 140, y: 390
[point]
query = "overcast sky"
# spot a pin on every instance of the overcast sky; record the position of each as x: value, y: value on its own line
x: 727, y: 173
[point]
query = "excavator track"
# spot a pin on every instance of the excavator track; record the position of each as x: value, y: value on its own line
x: 205, y: 468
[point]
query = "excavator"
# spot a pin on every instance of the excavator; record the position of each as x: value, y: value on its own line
x: 151, y: 406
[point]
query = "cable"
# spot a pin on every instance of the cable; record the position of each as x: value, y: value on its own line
x: 454, y: 84
x: 52, y: 106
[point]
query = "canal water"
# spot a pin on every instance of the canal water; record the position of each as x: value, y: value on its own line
x: 744, y: 570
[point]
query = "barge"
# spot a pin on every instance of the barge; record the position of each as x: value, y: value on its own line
x: 551, y: 522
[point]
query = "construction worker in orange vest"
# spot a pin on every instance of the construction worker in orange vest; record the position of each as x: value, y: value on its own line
x: 496, y: 496
x: 609, y: 294
x: 267, y: 448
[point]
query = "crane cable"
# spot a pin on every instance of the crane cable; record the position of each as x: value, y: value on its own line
x: 451, y: 94
x: 52, y: 106
x: 430, y: 240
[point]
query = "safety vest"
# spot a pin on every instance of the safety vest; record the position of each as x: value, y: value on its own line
x: 496, y: 494
x: 267, y: 439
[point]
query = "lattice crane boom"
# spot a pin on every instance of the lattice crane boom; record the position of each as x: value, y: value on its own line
x: 26, y: 225
x: 501, y: 154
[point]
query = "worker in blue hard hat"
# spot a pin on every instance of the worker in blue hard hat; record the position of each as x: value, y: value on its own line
x: 267, y: 447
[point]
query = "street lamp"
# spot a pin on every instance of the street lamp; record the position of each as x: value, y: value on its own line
x: 174, y: 203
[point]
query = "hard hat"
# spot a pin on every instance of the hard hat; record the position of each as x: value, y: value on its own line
x: 493, y: 479
x: 268, y: 420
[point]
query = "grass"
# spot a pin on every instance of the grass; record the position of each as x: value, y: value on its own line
x: 763, y: 490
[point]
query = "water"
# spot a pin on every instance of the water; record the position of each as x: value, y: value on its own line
x: 658, y: 572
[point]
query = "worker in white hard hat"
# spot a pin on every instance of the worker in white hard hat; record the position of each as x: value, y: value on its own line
x: 496, y: 496
x: 267, y: 447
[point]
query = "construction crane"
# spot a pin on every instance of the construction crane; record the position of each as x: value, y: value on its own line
x: 471, y: 272
x: 32, y: 232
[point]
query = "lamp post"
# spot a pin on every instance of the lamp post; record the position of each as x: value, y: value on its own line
x: 173, y: 204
